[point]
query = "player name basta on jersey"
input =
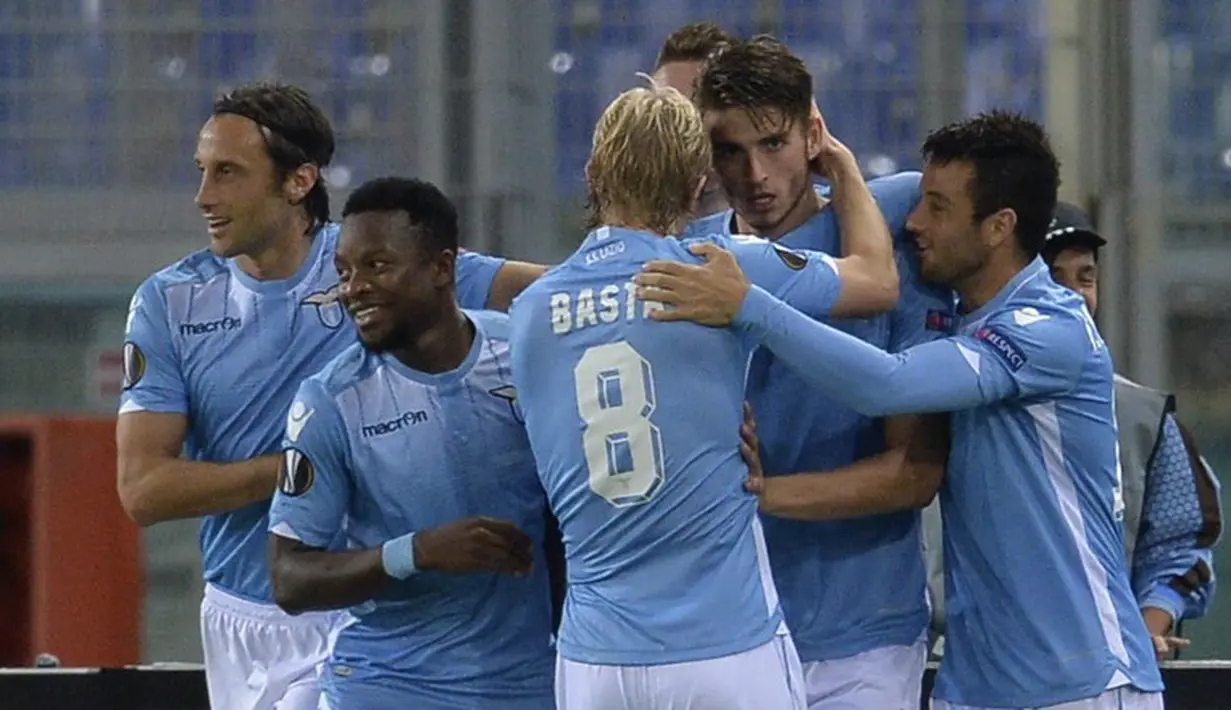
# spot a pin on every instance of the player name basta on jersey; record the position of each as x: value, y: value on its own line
x: 589, y: 306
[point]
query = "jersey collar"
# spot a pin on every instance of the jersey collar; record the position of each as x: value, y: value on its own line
x: 1030, y: 272
x: 442, y: 379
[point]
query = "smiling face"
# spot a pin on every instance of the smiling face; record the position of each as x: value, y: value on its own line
x: 245, y: 204
x: 1076, y: 268
x: 389, y: 282
x: 951, y: 243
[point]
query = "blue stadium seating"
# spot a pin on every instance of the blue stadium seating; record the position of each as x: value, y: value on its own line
x: 864, y: 57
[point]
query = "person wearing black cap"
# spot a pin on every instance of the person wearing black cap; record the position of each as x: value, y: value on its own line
x: 1171, y: 505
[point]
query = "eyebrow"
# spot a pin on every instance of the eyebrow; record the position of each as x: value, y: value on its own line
x: 937, y: 196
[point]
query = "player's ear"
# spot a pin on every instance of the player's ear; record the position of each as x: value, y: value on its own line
x: 1000, y: 226
x: 443, y: 268
x: 815, y: 131
x: 300, y: 181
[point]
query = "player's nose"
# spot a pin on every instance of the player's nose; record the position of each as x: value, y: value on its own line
x: 206, y: 198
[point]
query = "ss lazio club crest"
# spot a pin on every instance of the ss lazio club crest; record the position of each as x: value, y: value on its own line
x: 328, y: 309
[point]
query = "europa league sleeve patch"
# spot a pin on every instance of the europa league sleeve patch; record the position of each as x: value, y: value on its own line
x: 793, y: 261
x: 134, y: 364
x: 296, y: 474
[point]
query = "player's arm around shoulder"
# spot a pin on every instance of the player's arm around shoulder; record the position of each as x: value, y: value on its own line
x: 512, y: 278
x: 153, y: 482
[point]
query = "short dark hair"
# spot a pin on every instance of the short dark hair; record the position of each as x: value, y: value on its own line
x: 760, y: 75
x: 295, y: 132
x: 1014, y: 168
x: 428, y: 208
x: 692, y: 43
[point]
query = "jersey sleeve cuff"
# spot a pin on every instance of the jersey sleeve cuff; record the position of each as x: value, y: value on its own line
x: 397, y: 556
x: 756, y: 309
x: 1167, y: 599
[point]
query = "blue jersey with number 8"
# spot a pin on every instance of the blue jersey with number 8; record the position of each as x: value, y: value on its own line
x: 635, y: 429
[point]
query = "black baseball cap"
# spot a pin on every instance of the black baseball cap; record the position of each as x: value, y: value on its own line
x: 1070, y: 226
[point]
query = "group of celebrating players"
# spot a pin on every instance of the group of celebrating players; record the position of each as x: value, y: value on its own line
x: 686, y: 469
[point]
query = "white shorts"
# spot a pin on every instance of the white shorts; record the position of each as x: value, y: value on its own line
x: 768, y: 677
x: 888, y: 678
x: 258, y: 657
x: 1123, y: 698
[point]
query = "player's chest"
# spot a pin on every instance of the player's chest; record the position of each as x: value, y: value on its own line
x: 261, y: 346
x: 444, y: 454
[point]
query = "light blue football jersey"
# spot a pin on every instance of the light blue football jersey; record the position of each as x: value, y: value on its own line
x: 801, y: 429
x: 379, y: 450
x: 1039, y: 609
x: 635, y: 427
x: 206, y: 340
x: 1042, y: 578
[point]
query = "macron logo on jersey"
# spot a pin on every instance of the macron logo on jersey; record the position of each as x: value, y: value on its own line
x: 214, y: 326
x: 1003, y: 346
x: 392, y: 425
x: 1028, y: 316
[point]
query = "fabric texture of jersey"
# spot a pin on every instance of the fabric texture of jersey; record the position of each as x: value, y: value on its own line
x: 376, y: 450
x: 208, y: 341
x: 635, y: 427
x: 853, y: 585
x: 1034, y: 559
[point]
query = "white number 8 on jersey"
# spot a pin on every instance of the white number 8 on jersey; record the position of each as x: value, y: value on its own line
x: 615, y: 397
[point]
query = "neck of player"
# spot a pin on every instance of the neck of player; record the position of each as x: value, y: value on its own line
x: 284, y: 253
x: 613, y: 217
x: 982, y: 286
x: 441, y: 346
x: 806, y: 205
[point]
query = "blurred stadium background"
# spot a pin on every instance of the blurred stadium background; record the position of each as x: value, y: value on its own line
x: 100, y: 102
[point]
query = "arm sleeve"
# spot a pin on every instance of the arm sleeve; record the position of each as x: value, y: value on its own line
x: 474, y: 274
x: 807, y: 280
x: 999, y: 361
x: 1171, y: 570
x: 153, y: 378
x: 313, y: 493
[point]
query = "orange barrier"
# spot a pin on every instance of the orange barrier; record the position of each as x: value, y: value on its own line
x: 70, y: 559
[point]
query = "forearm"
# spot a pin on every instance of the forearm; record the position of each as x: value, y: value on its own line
x: 885, y: 483
x: 1182, y: 586
x: 512, y: 278
x: 864, y: 232
x: 316, y: 580
x: 1158, y: 621
x: 928, y: 378
x: 176, y: 488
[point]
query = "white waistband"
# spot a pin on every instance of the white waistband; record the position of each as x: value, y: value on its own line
x: 228, y: 603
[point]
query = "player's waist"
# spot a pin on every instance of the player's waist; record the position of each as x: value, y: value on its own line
x: 1042, y: 684
x: 263, y: 613
x: 622, y: 645
x: 831, y: 636
x: 477, y: 663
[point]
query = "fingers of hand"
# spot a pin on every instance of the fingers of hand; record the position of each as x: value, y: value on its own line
x: 502, y: 547
x: 663, y: 266
x: 749, y: 436
x: 672, y: 314
x: 707, y: 250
